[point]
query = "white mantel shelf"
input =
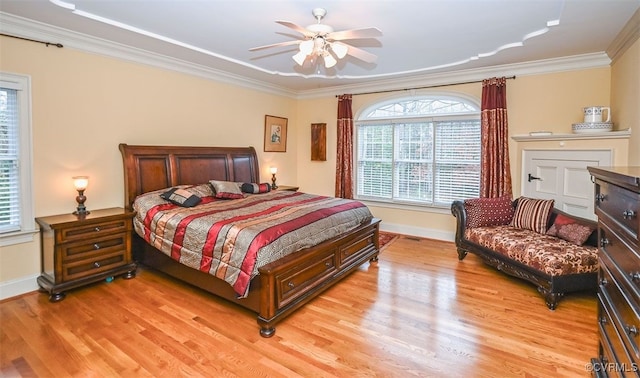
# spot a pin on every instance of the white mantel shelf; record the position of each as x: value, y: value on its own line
x: 621, y: 134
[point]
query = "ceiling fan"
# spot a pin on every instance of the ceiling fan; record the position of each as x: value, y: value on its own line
x: 320, y: 40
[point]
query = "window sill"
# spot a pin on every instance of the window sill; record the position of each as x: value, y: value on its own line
x: 404, y: 206
x: 619, y: 134
x: 18, y: 237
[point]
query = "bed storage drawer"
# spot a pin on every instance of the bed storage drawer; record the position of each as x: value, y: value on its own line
x: 298, y: 280
x: 351, y: 252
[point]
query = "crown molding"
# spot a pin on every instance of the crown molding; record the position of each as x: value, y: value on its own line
x: 629, y: 34
x: 27, y: 28
x: 538, y: 67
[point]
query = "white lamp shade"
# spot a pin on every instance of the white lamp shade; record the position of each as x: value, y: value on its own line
x: 274, y: 170
x: 329, y: 61
x: 339, y: 49
x: 306, y: 47
x: 80, y: 182
x: 300, y: 57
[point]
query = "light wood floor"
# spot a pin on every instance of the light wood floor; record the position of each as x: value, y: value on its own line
x: 417, y: 312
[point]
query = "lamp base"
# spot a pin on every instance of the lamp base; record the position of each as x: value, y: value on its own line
x: 81, y: 213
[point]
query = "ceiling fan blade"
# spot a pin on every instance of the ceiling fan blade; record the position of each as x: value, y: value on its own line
x: 355, y: 34
x: 288, y: 43
x: 359, y: 53
x: 297, y: 28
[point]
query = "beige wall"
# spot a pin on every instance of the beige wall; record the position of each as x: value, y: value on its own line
x: 625, y: 97
x: 85, y: 104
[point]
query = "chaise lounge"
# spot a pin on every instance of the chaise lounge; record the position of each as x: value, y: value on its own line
x: 531, y: 240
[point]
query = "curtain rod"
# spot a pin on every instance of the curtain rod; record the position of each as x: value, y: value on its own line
x: 59, y: 45
x: 429, y: 86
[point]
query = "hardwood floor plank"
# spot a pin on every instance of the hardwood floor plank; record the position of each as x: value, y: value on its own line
x: 417, y: 312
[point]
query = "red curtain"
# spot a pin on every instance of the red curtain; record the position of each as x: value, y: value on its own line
x: 495, y: 173
x: 344, y: 158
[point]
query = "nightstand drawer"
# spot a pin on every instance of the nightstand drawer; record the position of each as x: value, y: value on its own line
x: 92, y: 231
x: 89, y: 267
x: 93, y: 247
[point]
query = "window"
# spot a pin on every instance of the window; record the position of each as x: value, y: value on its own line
x: 421, y: 150
x: 16, y: 215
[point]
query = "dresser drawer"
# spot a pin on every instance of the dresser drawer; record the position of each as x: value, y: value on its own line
x: 625, y: 260
x: 625, y: 315
x: 92, y: 231
x: 619, y: 207
x: 615, y: 357
x: 91, y: 266
x: 93, y: 247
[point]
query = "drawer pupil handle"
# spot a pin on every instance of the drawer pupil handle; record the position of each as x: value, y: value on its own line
x: 604, y: 242
x: 635, y: 276
x: 96, y: 264
x: 97, y: 229
x: 628, y: 214
x: 603, y: 320
x: 327, y: 264
x: 631, y: 329
x: 604, y: 282
x: 600, y: 197
x: 291, y: 284
x: 96, y: 246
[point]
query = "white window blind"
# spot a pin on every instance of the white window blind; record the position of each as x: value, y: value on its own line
x: 9, y: 160
x: 424, y: 151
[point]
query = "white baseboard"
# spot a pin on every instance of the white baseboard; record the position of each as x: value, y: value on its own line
x: 18, y: 286
x: 418, y: 231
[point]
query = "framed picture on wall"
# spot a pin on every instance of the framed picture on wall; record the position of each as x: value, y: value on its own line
x: 318, y: 141
x: 275, y: 134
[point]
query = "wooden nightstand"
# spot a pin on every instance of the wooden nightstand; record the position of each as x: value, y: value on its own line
x: 289, y: 188
x: 78, y: 250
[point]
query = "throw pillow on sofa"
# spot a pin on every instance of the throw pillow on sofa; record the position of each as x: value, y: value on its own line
x: 488, y: 211
x: 568, y: 229
x: 532, y: 214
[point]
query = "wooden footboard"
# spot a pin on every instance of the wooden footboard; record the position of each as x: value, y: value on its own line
x: 299, y: 277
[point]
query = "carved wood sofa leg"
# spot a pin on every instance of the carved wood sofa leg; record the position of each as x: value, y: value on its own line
x: 461, y: 254
x: 550, y: 298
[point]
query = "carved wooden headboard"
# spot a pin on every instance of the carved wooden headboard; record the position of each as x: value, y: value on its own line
x: 148, y: 168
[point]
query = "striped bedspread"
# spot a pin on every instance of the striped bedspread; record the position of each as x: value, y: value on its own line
x: 231, y: 239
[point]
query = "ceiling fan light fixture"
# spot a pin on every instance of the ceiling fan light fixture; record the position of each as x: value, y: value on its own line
x: 306, y: 47
x: 329, y: 61
x: 300, y: 57
x: 339, y: 49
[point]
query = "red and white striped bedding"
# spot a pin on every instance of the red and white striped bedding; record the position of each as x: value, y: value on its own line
x: 231, y: 239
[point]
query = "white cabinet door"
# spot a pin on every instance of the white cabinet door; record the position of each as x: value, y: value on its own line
x: 562, y: 175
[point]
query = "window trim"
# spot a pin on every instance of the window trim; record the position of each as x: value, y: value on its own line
x: 27, y: 221
x: 360, y: 120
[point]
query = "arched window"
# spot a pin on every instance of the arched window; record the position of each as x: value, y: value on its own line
x: 422, y: 150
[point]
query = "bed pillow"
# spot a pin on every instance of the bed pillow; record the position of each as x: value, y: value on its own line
x: 568, y: 229
x: 226, y: 189
x: 181, y: 197
x: 532, y: 214
x: 255, y: 188
x: 488, y: 211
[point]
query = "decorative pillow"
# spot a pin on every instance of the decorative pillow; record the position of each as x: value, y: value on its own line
x: 532, y: 214
x: 255, y: 188
x: 488, y: 211
x: 568, y: 229
x: 226, y: 189
x: 181, y: 197
x: 201, y: 190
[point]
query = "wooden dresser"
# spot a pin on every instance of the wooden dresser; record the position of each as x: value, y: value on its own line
x: 78, y: 250
x: 617, y: 204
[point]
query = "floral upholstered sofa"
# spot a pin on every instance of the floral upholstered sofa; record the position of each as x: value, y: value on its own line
x: 530, y: 239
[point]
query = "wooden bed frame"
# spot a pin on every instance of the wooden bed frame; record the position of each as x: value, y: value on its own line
x: 283, y: 285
